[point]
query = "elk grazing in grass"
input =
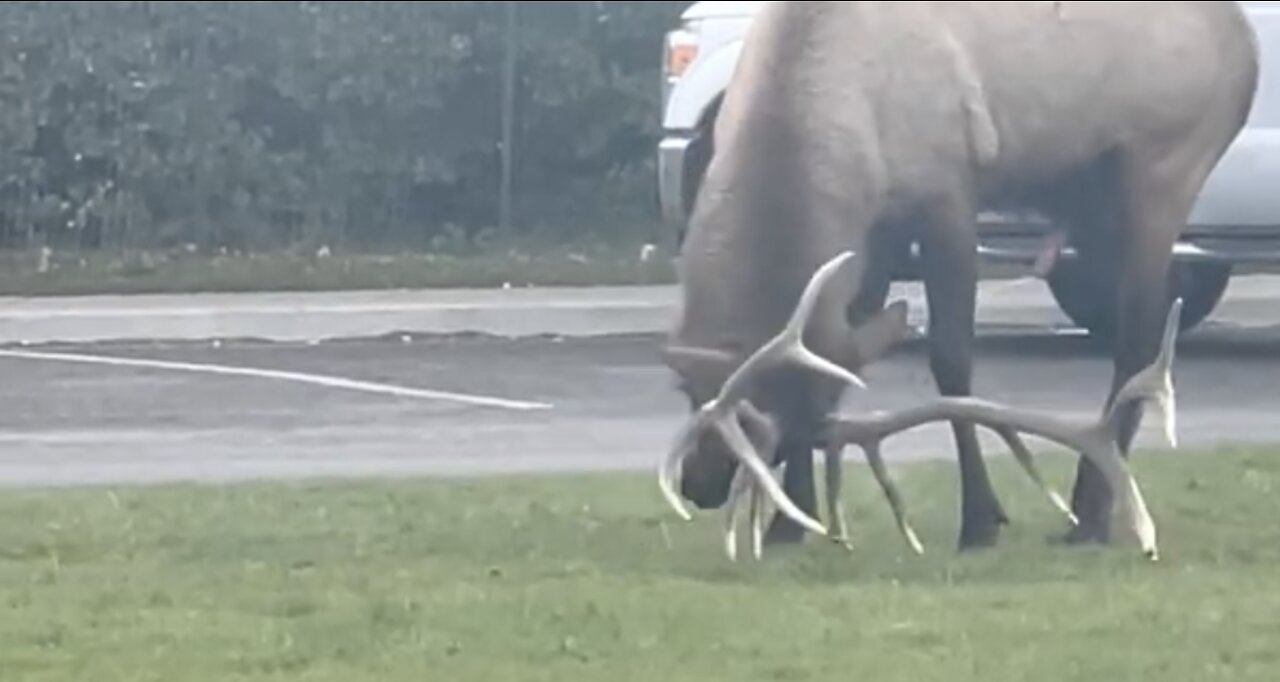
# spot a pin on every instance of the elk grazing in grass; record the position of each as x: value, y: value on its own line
x: 866, y: 126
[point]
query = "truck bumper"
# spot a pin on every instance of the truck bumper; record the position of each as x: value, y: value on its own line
x: 671, y: 161
x: 1006, y: 240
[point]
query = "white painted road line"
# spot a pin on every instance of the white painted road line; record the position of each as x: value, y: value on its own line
x: 317, y: 379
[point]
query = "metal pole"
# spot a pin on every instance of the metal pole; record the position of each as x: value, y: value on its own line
x: 508, y: 115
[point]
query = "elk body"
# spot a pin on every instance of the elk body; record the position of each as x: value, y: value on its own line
x: 865, y: 126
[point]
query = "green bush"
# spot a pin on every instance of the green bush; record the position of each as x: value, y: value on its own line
x: 261, y: 125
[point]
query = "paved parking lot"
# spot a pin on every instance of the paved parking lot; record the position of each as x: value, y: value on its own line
x: 610, y: 404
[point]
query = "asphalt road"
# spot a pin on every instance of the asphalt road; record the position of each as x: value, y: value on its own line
x: 611, y: 403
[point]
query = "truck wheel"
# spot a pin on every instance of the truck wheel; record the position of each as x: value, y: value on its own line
x: 1088, y: 300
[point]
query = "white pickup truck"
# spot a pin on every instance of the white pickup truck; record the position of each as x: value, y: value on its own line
x: 1235, y: 224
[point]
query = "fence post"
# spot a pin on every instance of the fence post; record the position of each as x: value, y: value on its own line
x: 508, y: 116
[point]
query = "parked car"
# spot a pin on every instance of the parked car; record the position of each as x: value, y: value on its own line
x: 1235, y: 224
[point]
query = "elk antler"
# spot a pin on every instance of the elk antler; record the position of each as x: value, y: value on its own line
x: 722, y: 412
x: 1095, y: 440
x: 834, y: 479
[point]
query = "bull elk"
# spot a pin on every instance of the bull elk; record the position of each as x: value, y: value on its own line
x: 726, y: 413
x: 867, y: 126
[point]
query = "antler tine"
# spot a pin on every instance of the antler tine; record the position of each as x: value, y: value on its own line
x: 737, y: 488
x: 833, y: 470
x: 669, y: 467
x: 891, y: 493
x: 722, y: 411
x: 744, y: 483
x: 1155, y: 382
x: 788, y: 345
x: 867, y: 433
x: 1027, y: 461
x: 757, y: 512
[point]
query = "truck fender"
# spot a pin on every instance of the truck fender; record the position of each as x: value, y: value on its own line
x: 700, y: 87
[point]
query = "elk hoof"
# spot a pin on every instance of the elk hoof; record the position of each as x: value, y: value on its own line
x: 784, y: 531
x: 979, y: 536
x: 1082, y: 533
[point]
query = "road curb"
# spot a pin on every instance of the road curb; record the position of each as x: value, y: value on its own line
x: 570, y: 312
x: 311, y: 317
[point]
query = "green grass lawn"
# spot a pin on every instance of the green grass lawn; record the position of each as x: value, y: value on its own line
x: 590, y: 578
x: 70, y: 273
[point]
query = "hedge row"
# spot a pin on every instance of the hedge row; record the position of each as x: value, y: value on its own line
x: 256, y: 125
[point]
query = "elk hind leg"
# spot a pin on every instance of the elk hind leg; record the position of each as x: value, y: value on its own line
x: 1160, y: 192
x: 948, y: 245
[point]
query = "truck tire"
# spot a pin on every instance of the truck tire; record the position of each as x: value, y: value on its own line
x: 1089, y: 301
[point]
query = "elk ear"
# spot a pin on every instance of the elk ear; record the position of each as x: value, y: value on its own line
x: 701, y: 370
x: 873, y: 338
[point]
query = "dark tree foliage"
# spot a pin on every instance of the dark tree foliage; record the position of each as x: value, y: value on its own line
x: 256, y: 125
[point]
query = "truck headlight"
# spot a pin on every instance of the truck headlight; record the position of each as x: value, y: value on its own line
x: 681, y: 50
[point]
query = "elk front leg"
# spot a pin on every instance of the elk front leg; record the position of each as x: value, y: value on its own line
x: 886, y: 245
x: 796, y: 451
x: 947, y: 255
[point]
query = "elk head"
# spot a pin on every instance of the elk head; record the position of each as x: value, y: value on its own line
x: 727, y: 432
x: 706, y: 470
